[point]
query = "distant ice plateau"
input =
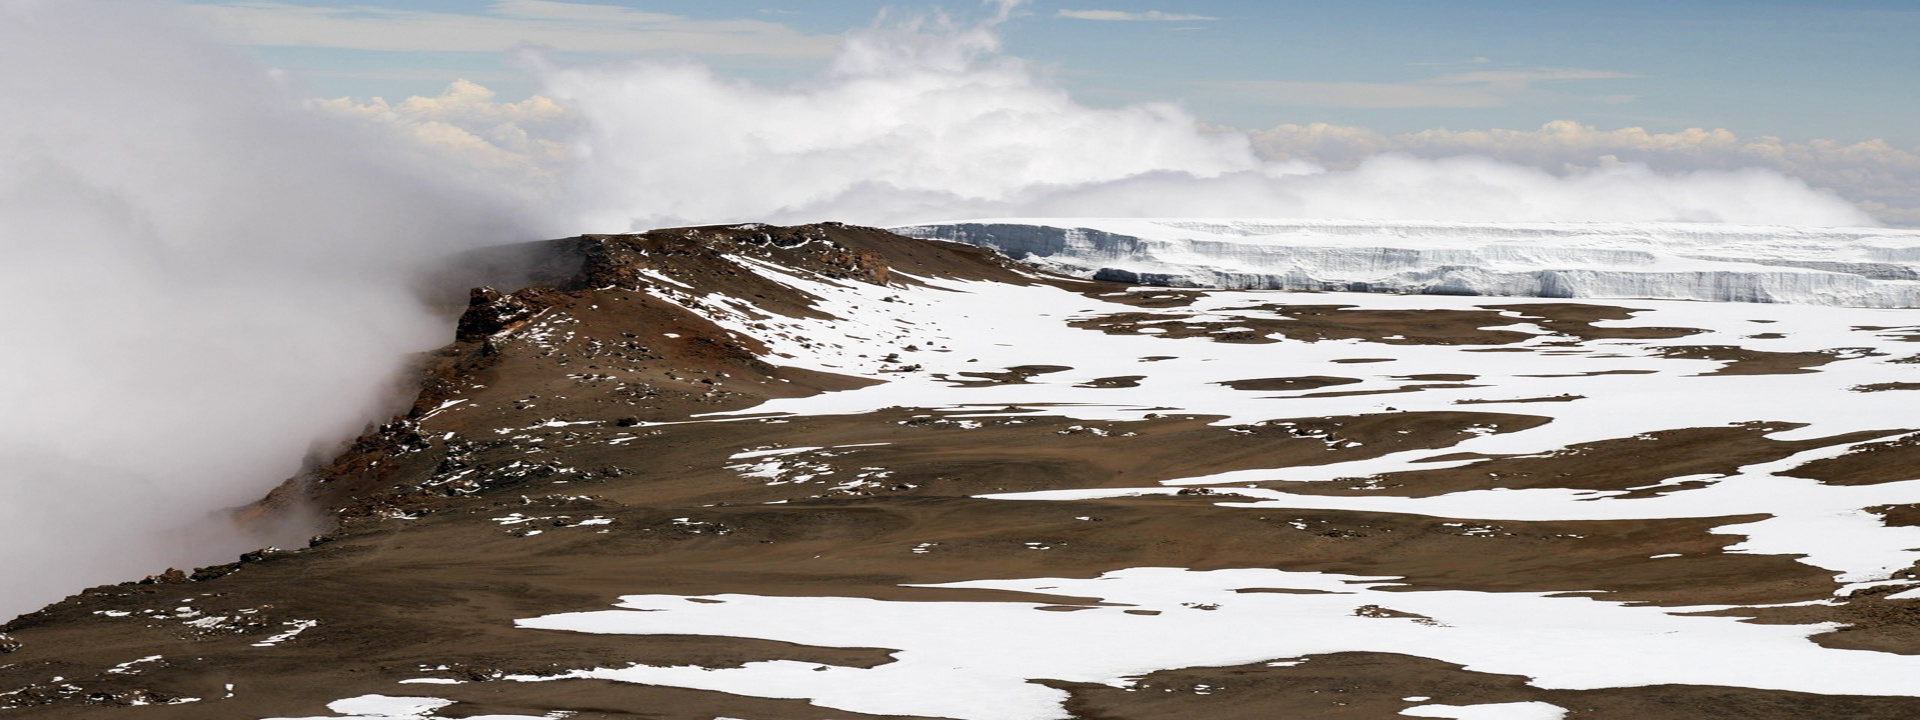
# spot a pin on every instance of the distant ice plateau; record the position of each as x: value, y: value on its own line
x: 1856, y: 267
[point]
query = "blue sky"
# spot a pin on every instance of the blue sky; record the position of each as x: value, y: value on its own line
x: 1797, y: 70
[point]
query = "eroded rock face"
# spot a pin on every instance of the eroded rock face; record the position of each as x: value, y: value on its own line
x: 625, y: 261
x: 895, y: 468
x: 489, y: 311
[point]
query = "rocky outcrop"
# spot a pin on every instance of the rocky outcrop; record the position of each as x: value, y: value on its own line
x: 489, y: 311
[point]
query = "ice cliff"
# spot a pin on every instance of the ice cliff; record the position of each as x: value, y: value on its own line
x: 1863, y: 267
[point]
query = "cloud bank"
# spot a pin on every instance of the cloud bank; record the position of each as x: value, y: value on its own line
x: 929, y: 121
x: 206, y: 280
x: 1880, y: 178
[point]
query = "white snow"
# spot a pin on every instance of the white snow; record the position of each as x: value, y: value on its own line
x: 973, y: 660
x: 1495, y: 711
x: 294, y: 628
x: 771, y: 451
x: 389, y: 707
x: 1869, y: 267
x: 381, y: 707
x: 126, y: 668
x: 443, y: 406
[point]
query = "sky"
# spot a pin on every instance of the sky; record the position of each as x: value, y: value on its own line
x: 1793, y: 69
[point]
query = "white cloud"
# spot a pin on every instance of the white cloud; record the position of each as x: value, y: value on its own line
x: 888, y: 143
x: 504, y: 24
x: 1881, y: 178
x: 222, y: 280
x: 519, y: 147
x: 927, y: 121
x: 1125, y: 16
x: 931, y: 123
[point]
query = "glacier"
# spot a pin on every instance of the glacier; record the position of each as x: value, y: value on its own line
x: 1854, y: 267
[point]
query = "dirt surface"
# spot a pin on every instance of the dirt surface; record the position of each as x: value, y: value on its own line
x: 1323, y: 322
x: 563, y: 452
x: 1744, y: 361
x: 1640, y: 466
x: 1578, y: 320
x: 1869, y: 464
x: 1288, y: 383
x: 1379, y: 685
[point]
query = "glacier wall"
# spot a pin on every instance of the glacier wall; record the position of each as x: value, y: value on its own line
x: 1859, y: 267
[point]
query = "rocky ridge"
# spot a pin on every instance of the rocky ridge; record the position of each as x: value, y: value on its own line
x: 725, y: 417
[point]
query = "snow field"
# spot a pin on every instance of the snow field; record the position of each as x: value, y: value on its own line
x: 1868, y: 267
x: 974, y: 659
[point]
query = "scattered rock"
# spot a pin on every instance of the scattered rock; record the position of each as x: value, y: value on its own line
x: 262, y: 555
x: 173, y: 576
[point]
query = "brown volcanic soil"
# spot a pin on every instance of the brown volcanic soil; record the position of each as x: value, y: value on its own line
x: 1577, y: 319
x: 1288, y: 383
x: 1639, y: 464
x: 1326, y: 322
x: 547, y: 467
x: 393, y: 597
x: 1374, y: 685
x: 1745, y: 361
x: 1898, y: 515
x: 1881, y: 462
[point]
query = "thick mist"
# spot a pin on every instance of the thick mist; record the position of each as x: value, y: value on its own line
x: 204, y: 280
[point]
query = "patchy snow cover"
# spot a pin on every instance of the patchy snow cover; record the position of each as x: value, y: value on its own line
x: 388, y: 707
x: 383, y: 706
x: 1624, y: 387
x: 973, y: 660
x: 294, y: 628
x: 127, y: 668
x: 1868, y: 267
x: 1495, y: 711
x: 1822, y: 523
